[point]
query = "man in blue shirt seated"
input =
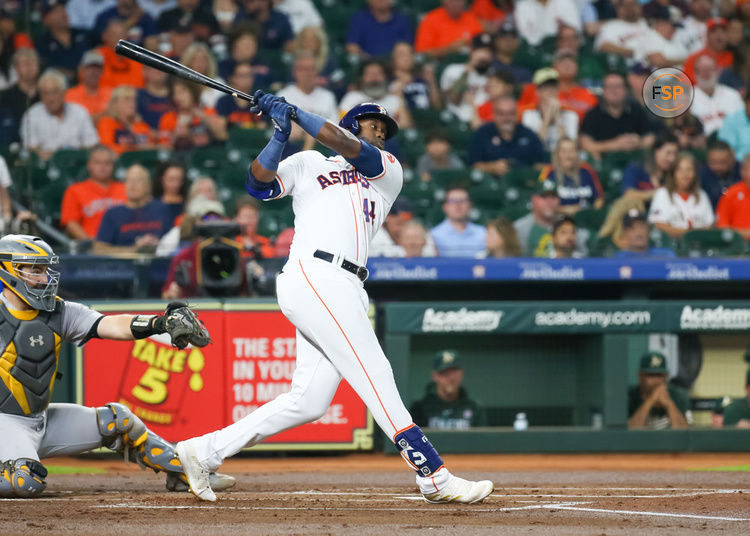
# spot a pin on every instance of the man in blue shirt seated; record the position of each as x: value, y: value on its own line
x: 503, y: 144
x: 374, y: 31
x: 635, y: 237
x: 141, y: 27
x: 456, y: 236
x: 137, y: 225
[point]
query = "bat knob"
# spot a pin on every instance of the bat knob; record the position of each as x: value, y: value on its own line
x: 235, y: 95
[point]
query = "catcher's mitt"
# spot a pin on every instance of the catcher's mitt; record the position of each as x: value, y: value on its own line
x: 184, y: 327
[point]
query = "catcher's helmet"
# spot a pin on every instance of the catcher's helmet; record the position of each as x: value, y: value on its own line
x: 17, y: 249
x: 368, y: 110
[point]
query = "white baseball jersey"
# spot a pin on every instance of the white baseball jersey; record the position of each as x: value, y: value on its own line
x: 336, y: 209
x: 712, y: 110
x: 679, y: 212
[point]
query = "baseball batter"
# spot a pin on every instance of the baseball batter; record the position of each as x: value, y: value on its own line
x: 33, y: 324
x: 339, y: 204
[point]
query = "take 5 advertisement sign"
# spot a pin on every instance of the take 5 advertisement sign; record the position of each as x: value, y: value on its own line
x: 183, y: 393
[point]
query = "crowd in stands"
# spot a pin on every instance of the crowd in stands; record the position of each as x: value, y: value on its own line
x: 523, y: 126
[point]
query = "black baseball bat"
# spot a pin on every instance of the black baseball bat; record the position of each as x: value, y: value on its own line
x: 169, y: 66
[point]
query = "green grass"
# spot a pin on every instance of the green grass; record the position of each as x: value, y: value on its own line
x: 726, y: 468
x: 66, y: 470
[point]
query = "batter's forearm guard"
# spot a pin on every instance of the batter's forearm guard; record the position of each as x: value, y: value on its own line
x: 310, y: 122
x: 417, y: 450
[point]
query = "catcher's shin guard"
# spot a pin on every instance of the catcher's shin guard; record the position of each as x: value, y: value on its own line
x: 123, y: 431
x: 22, y: 478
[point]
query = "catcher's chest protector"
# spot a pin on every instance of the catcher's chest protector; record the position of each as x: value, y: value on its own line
x: 28, y: 363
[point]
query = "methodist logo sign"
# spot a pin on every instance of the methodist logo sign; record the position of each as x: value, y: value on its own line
x: 668, y: 92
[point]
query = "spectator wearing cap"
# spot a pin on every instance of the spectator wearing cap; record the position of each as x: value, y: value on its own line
x: 122, y: 129
x: 373, y: 32
x: 615, y: 124
x: 60, y: 46
x: 139, y: 25
x: 446, y: 30
x: 137, y: 224
x: 506, y: 46
x: 628, y: 36
x: 534, y: 228
x: 84, y: 203
x: 275, y: 29
x: 194, y: 14
x: 504, y: 144
x: 712, y: 102
x: 720, y: 171
x: 152, y: 100
x: 11, y: 40
x: 438, y: 155
x: 82, y: 13
x: 665, y: 49
x: 634, y: 237
x: 247, y: 216
x: 571, y: 96
x: 737, y: 413
x: 716, y: 48
x: 564, y: 238
x: 456, y: 236
x: 19, y: 97
x: 502, y: 240
x: 446, y: 404
x: 89, y: 93
x: 464, y: 84
x: 539, y: 19
x: 118, y: 70
x: 641, y: 179
x: 736, y: 130
x: 577, y: 182
x: 733, y: 211
x: 54, y: 124
x: 653, y: 403
x: 182, y: 278
x: 548, y: 119
x: 681, y: 205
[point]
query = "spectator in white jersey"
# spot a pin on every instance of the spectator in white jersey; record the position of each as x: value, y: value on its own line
x: 712, y: 102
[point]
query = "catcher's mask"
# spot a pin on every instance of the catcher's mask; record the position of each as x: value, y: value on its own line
x: 25, y: 269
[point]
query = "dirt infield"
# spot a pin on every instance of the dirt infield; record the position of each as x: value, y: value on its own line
x: 375, y: 494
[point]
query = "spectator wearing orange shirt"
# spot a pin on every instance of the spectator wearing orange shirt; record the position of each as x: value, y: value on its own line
x: 447, y: 29
x: 189, y: 125
x: 254, y: 246
x: 118, y: 70
x: 90, y: 93
x: 84, y: 203
x: 734, y: 206
x: 122, y: 129
x: 716, y: 47
x: 491, y: 13
x: 572, y: 97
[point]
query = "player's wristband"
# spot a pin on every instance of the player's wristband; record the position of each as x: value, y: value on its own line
x: 143, y: 326
x: 270, y: 156
x: 310, y: 123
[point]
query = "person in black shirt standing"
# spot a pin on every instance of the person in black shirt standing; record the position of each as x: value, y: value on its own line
x: 60, y: 46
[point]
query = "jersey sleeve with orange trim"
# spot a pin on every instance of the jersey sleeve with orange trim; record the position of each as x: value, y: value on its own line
x: 289, y: 172
x: 389, y: 182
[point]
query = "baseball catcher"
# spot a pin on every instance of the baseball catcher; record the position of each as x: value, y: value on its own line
x: 34, y: 322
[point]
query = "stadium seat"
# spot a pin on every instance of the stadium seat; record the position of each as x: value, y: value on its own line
x: 489, y: 194
x: 422, y: 194
x: 659, y: 239
x: 248, y: 140
x: 601, y: 246
x: 68, y: 164
x: 522, y: 177
x: 207, y: 160
x: 411, y: 143
x: 712, y: 243
x: 590, y: 218
x: 449, y: 177
x: 150, y: 159
x: 48, y: 201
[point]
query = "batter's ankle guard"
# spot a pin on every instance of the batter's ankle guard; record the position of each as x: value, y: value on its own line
x: 122, y: 431
x: 417, y: 450
x: 22, y: 478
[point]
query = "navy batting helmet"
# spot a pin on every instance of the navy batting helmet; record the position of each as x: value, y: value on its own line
x: 368, y: 110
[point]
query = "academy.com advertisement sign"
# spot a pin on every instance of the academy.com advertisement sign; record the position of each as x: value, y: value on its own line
x: 183, y: 393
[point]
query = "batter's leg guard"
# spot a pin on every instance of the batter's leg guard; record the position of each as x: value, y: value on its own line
x: 23, y: 477
x: 125, y: 432
x: 418, y: 452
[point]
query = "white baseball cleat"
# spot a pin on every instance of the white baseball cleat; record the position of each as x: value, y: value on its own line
x: 443, y: 487
x: 197, y: 475
x: 217, y: 481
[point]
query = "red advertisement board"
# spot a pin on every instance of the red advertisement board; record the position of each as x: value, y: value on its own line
x: 183, y: 393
